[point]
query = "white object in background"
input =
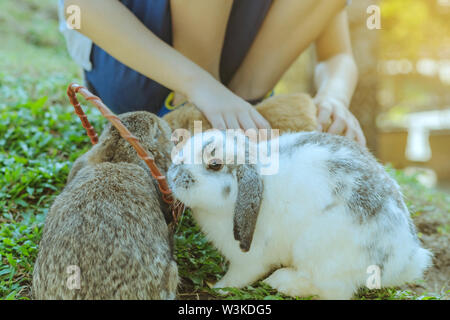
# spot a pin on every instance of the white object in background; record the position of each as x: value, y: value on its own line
x: 419, y: 126
x: 78, y: 45
x: 418, y: 146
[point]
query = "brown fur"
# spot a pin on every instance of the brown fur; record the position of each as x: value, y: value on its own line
x: 288, y: 113
x: 108, y: 222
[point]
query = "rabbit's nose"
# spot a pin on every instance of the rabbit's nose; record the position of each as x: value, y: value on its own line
x: 186, y: 178
x: 180, y: 177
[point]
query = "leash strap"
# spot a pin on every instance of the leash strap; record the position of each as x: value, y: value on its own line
x: 72, y: 90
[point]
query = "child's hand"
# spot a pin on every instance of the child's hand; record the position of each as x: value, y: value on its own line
x: 334, y: 117
x: 225, y: 110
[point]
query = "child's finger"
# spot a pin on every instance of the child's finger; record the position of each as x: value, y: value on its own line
x: 261, y: 123
x: 351, y: 134
x: 217, y: 121
x: 360, y: 138
x: 246, y: 121
x: 338, y: 126
x: 319, y: 127
x: 323, y: 118
x: 231, y: 121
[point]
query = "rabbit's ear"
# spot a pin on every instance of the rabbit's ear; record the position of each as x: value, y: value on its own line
x: 248, y: 202
x: 102, y: 152
x: 97, y: 154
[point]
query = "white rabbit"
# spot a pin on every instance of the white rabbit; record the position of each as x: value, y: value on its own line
x: 325, y: 223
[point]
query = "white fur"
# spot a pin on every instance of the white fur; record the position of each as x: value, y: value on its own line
x: 303, y: 232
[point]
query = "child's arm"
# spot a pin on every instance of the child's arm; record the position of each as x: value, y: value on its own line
x: 115, y: 29
x: 336, y: 76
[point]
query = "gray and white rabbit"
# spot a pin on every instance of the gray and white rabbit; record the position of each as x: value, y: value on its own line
x: 327, y: 222
x: 105, y: 236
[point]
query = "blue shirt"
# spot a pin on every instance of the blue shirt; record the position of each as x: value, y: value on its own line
x: 123, y: 89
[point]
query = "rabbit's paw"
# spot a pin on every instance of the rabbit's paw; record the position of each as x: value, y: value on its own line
x: 229, y: 282
x: 221, y: 290
x: 291, y: 282
x: 239, y: 276
x: 220, y: 286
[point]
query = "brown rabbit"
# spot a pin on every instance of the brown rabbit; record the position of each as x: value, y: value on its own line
x: 288, y: 113
x: 105, y: 237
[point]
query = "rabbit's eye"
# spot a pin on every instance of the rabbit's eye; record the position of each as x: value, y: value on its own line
x: 215, y: 165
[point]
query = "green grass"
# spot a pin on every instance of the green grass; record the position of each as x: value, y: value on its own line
x: 40, y: 137
x: 38, y: 144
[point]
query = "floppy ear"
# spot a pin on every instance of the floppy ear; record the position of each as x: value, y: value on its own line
x: 248, y: 202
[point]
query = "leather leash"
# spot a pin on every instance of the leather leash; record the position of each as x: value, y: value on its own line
x: 176, y: 206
